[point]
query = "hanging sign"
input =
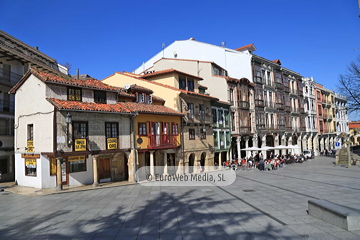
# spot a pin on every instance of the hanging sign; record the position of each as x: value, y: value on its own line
x: 112, y: 143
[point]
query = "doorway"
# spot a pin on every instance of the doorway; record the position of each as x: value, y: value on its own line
x: 104, y: 168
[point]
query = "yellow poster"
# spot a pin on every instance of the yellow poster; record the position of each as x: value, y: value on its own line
x: 76, y: 158
x: 52, y: 166
x: 80, y: 144
x: 30, y: 146
x: 112, y: 143
x: 30, y: 163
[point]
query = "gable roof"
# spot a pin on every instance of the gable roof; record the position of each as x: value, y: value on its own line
x: 170, y: 70
x: 277, y: 61
x: 162, y: 85
x: 52, y: 78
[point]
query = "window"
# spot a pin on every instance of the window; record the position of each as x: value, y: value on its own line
x: 3, y: 126
x: 318, y: 95
x: 182, y: 83
x: 203, y: 133
x: 216, y: 140
x: 140, y: 97
x: 227, y: 119
x: 80, y: 135
x: 202, y: 112
x: 111, y: 134
x: 190, y: 85
x: 4, y: 165
x: 74, y: 94
x: 77, y: 164
x: 142, y: 129
x: 30, y: 135
x: 99, y: 96
x: 214, y: 115
x: 175, y: 129
x: 191, y: 134
x: 190, y: 110
x: 53, y: 165
x: 148, y: 99
x: 30, y: 167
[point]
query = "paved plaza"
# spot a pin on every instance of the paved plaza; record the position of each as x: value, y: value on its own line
x: 259, y: 205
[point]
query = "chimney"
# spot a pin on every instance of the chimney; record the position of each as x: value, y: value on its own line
x: 77, y: 73
x: 36, y: 48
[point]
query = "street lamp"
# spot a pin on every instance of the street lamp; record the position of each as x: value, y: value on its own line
x: 68, y: 121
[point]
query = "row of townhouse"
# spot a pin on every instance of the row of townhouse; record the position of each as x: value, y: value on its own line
x: 270, y: 104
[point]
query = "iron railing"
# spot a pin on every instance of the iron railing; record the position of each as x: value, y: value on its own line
x: 7, y: 106
x: 9, y: 77
x: 162, y: 140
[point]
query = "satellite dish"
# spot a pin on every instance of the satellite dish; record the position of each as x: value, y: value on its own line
x: 127, y: 86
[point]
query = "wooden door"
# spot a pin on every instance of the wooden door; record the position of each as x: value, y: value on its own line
x: 126, y: 169
x: 104, y: 168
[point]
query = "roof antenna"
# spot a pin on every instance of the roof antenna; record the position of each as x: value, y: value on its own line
x: 223, y: 43
x: 163, y: 46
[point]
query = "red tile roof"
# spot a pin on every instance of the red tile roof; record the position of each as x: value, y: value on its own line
x: 148, y: 108
x: 252, y: 46
x: 120, y: 107
x: 89, y: 106
x: 51, y: 78
x: 353, y: 125
x: 140, y: 88
x: 277, y: 61
x: 171, y: 70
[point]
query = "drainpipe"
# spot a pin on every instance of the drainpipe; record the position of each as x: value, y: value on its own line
x: 133, y: 141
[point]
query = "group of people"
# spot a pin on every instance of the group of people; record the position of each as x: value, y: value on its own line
x: 326, y: 152
x: 273, y: 162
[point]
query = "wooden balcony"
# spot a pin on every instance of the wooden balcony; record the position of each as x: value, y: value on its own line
x: 162, y: 141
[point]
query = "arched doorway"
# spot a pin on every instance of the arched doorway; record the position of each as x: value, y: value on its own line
x: 191, y: 162
x: 202, y: 161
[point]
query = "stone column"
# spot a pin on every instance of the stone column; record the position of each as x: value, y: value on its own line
x: 289, y: 142
x: 152, y: 172
x: 238, y: 139
x: 263, y: 144
x: 58, y: 174
x: 276, y: 143
x: 131, y: 164
x: 165, y: 164
x: 246, y: 146
x: 95, y: 171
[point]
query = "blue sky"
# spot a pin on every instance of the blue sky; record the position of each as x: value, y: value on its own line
x: 315, y: 38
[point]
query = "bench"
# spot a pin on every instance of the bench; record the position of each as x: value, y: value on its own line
x: 335, y: 214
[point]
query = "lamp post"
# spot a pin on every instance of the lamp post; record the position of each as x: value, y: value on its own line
x: 68, y: 119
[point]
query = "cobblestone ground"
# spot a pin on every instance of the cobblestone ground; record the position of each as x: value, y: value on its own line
x: 259, y: 205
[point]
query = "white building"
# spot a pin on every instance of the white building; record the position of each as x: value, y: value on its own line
x: 342, y: 118
x: 16, y: 57
x: 310, y: 110
x: 96, y: 144
x: 236, y: 62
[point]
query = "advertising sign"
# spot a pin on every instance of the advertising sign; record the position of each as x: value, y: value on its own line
x: 30, y: 163
x: 80, y: 144
x: 30, y: 146
x: 112, y: 143
x: 76, y: 158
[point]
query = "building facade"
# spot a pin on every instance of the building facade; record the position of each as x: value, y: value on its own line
x: 181, y: 92
x: 16, y: 57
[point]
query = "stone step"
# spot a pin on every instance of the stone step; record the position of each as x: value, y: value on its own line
x: 335, y: 214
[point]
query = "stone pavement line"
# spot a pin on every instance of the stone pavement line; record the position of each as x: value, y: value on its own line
x: 336, y: 185
x: 258, y: 209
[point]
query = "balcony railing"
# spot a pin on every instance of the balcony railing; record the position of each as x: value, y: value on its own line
x: 288, y: 129
x: 279, y: 85
x: 294, y: 91
x: 281, y: 127
x: 243, y: 104
x: 269, y: 104
x: 259, y: 103
x: 287, y: 108
x: 258, y: 80
x: 162, y: 141
x: 245, y: 130
x: 295, y: 110
x: 7, y: 106
x: 279, y: 105
x: 8, y: 77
